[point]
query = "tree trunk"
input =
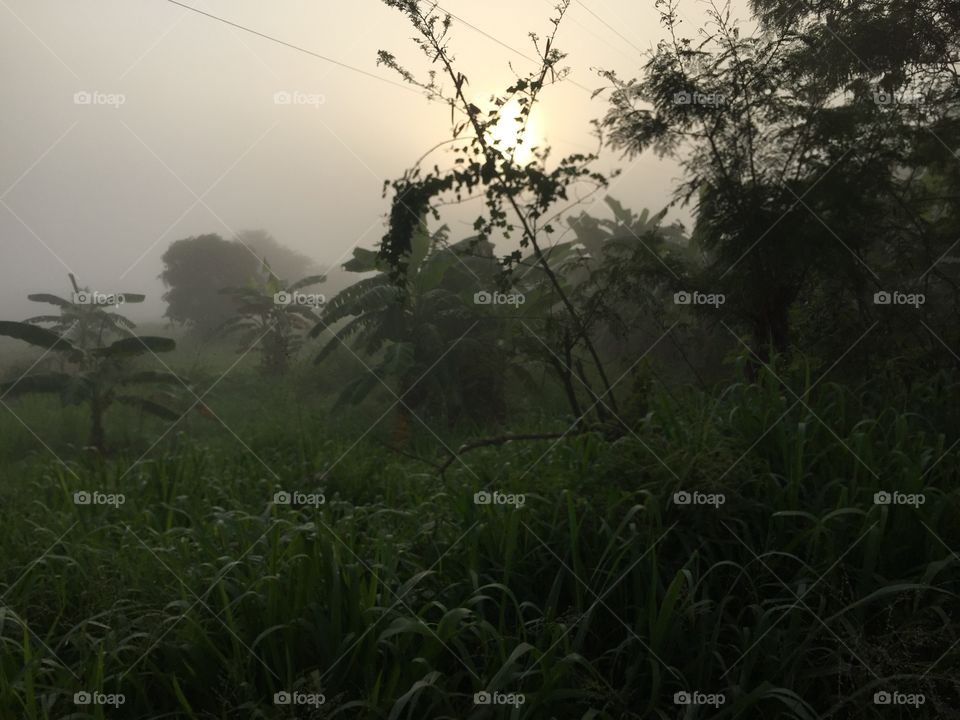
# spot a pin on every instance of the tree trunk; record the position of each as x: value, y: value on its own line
x: 772, y: 330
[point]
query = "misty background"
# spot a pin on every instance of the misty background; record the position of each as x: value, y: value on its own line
x: 199, y: 145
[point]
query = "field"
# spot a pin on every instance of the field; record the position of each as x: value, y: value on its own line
x: 587, y: 588
x: 397, y: 360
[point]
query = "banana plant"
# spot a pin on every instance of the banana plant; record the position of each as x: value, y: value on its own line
x: 587, y: 268
x: 273, y: 316
x: 85, y: 318
x: 99, y: 377
x: 428, y: 321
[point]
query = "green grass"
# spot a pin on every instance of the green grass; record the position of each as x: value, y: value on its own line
x: 401, y: 598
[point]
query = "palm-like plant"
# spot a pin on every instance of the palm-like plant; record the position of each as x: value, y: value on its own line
x: 83, y: 320
x: 611, y: 241
x: 411, y: 326
x: 270, y: 316
x: 609, y: 253
x: 99, y: 376
x: 590, y: 268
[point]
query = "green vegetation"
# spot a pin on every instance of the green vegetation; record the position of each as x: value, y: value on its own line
x: 93, y: 372
x: 599, y: 597
x: 271, y: 317
x: 620, y: 471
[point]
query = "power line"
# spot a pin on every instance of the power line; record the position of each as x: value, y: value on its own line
x: 501, y: 43
x: 353, y: 68
x: 487, y: 35
x: 295, y: 47
x: 610, y: 27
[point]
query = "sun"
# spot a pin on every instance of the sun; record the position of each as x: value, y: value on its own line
x: 508, y: 129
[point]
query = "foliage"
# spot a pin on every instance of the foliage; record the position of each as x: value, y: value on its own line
x: 519, y: 198
x: 600, y: 598
x: 97, y: 376
x: 429, y: 337
x: 195, y: 270
x: 272, y: 316
x: 810, y: 192
x: 85, y: 319
x: 607, y: 591
x: 285, y: 262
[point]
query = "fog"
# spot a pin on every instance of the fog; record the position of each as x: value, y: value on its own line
x: 182, y: 134
x: 632, y: 468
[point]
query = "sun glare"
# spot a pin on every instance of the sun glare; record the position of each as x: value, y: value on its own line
x: 509, y: 129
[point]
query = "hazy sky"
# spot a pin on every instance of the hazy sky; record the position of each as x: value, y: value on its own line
x: 182, y: 134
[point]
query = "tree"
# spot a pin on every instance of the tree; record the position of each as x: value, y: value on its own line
x: 896, y: 63
x: 428, y: 335
x: 799, y: 180
x: 195, y: 270
x: 888, y: 39
x: 284, y: 262
x: 272, y: 316
x: 84, y: 319
x: 519, y: 198
x: 626, y: 271
x: 98, y: 376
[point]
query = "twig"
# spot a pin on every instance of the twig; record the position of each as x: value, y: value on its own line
x: 412, y: 456
x: 503, y: 440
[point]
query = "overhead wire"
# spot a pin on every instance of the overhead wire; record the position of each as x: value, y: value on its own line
x: 354, y: 68
x: 609, y: 27
x: 295, y: 47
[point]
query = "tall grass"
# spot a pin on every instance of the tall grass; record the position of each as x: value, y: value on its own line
x: 399, y: 597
